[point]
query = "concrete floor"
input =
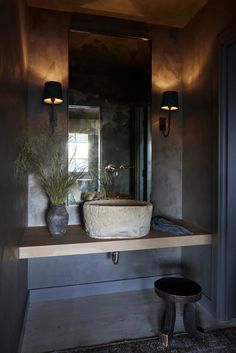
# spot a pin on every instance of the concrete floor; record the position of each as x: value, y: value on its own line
x: 59, y: 324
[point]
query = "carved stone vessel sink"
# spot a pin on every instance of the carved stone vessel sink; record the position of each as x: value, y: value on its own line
x: 117, y: 219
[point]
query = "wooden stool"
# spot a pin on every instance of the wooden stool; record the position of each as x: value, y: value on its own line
x: 178, y: 290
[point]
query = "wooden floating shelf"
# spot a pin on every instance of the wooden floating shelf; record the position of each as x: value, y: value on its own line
x: 37, y: 242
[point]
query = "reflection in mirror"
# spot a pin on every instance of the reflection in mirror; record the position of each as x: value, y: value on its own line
x: 84, y: 149
x: 109, y: 97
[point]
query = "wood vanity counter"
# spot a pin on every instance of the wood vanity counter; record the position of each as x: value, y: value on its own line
x: 37, y: 242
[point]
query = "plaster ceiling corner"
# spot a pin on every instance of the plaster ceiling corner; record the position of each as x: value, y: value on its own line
x: 173, y: 13
x: 119, y: 7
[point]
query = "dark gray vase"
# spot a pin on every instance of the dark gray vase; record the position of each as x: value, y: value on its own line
x: 57, y: 220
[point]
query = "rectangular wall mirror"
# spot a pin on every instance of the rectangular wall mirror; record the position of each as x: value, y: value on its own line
x: 109, y: 121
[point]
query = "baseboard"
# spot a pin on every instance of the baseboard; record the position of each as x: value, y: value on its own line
x: 90, y: 289
x: 83, y: 290
x: 20, y: 344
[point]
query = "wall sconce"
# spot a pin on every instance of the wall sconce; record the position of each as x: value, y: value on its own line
x: 52, y: 95
x: 169, y: 102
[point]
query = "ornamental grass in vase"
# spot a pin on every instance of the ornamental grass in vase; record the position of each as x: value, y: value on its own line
x: 43, y: 154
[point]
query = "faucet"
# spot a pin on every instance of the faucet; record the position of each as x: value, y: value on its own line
x: 112, y: 168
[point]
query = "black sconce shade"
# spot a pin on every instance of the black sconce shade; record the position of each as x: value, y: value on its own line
x: 52, y: 93
x: 170, y: 100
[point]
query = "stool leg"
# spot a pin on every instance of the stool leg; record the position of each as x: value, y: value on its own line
x: 169, y: 324
x: 190, y: 320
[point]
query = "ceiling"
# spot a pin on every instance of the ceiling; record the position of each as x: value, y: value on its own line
x: 175, y: 13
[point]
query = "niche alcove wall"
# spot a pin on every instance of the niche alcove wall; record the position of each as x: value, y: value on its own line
x: 180, y: 58
x: 48, y: 59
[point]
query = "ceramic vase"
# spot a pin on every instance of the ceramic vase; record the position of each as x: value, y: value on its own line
x: 57, y: 220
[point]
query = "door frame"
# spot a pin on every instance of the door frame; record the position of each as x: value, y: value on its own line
x: 225, y: 40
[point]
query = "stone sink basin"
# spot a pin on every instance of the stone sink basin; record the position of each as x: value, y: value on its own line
x: 117, y: 219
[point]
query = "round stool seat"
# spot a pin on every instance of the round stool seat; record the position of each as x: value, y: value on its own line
x: 175, y: 289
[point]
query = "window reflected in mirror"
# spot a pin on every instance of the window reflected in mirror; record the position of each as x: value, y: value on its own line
x: 84, y: 149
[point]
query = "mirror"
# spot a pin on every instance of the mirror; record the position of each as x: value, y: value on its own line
x: 109, y: 122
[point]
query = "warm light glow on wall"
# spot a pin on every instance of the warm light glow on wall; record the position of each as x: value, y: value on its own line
x: 42, y: 73
x: 49, y: 64
x: 164, y: 80
x: 192, y: 74
x: 194, y: 66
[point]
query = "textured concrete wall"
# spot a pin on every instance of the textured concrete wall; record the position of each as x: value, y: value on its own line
x: 200, y: 130
x: 48, y: 60
x: 95, y: 268
x: 167, y: 152
x: 13, y: 88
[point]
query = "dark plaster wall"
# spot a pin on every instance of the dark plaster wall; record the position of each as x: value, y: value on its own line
x: 166, y: 152
x: 48, y: 59
x: 98, y: 268
x: 13, y: 88
x: 200, y: 130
